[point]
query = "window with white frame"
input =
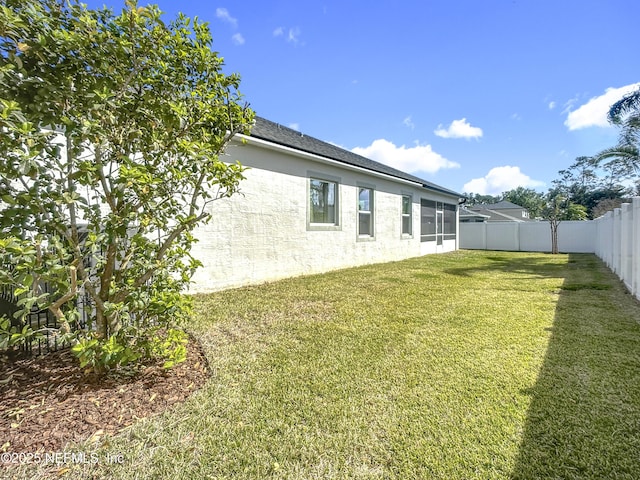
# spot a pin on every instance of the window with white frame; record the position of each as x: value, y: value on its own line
x: 365, y: 211
x: 323, y: 202
x: 406, y: 215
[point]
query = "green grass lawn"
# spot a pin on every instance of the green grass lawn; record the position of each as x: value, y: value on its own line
x: 486, y: 365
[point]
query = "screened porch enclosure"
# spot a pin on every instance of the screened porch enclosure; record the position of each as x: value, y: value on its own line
x: 437, y: 221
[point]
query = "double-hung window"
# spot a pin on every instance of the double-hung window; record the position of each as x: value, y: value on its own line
x: 406, y: 215
x: 323, y: 202
x: 365, y: 212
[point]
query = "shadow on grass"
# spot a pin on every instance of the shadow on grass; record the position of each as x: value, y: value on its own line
x: 584, y: 417
x: 538, y: 265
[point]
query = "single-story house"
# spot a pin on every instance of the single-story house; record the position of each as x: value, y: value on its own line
x: 503, y: 211
x: 307, y: 206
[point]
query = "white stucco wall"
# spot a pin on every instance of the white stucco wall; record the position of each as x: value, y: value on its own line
x: 263, y: 234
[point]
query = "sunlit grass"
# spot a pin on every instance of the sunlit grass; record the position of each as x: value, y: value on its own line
x: 444, y: 367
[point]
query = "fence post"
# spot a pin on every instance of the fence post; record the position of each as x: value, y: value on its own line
x: 617, y: 241
x: 604, y: 232
x: 598, y: 247
x: 607, y: 239
x: 626, y: 244
x: 484, y: 235
x: 635, y: 248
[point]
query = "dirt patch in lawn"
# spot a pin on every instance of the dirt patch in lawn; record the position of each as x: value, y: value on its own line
x: 48, y: 402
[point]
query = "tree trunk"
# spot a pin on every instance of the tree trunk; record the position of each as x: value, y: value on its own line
x: 554, y: 236
x: 56, y: 307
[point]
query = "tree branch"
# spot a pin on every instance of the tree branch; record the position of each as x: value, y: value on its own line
x: 146, y: 276
x: 55, y: 306
x: 103, y: 180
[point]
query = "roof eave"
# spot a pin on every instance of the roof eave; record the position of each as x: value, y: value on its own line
x: 272, y: 145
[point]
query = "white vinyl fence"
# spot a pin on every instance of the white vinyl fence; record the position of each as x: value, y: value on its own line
x: 573, y: 237
x: 618, y: 243
x: 614, y: 237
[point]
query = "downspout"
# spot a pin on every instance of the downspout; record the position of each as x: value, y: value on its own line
x: 461, y: 201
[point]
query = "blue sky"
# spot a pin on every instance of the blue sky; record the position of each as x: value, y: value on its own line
x: 477, y: 96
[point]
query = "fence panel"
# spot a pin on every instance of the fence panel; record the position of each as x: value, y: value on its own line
x: 573, y: 237
x: 618, y: 243
x: 626, y: 243
x: 503, y: 236
x: 473, y: 236
x: 535, y: 237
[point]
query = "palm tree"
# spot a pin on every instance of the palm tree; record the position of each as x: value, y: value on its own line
x: 628, y: 106
x: 625, y: 156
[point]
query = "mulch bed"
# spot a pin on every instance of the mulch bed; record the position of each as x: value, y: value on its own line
x: 48, y: 402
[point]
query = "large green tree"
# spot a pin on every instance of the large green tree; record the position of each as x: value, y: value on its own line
x: 528, y: 198
x: 478, y: 198
x: 113, y: 133
x: 593, y: 183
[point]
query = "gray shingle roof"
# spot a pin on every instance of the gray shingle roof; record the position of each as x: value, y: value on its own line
x: 503, y: 205
x: 464, y: 212
x: 272, y: 132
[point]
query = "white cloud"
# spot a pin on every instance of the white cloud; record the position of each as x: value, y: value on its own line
x: 568, y: 105
x: 594, y: 112
x: 238, y: 39
x: 291, y: 36
x: 552, y: 105
x: 409, y: 123
x: 500, y: 179
x: 459, y: 129
x: 420, y: 158
x: 295, y: 126
x: 294, y: 35
x: 223, y: 14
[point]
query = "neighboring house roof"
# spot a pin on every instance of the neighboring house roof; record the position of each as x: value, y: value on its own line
x: 466, y: 214
x: 500, y: 212
x: 273, y: 132
x: 503, y: 205
x: 492, y: 215
x: 499, y: 216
